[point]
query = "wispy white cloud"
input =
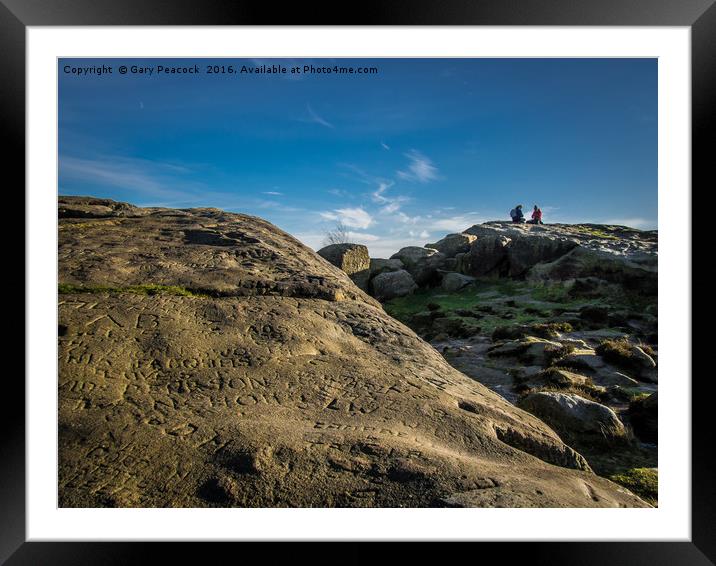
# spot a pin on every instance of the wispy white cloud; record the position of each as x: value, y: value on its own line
x: 314, y: 117
x: 338, y: 192
x: 391, y: 207
x: 351, y: 217
x: 456, y: 223
x: 362, y: 237
x: 359, y: 174
x: 407, y: 219
x: 379, y: 194
x: 271, y: 205
x: 272, y: 193
x: 420, y: 168
x: 391, y: 203
x: 156, y: 180
x: 385, y: 146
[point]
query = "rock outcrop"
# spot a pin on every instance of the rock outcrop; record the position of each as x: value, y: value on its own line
x: 487, y: 257
x: 526, y: 252
x: 421, y: 263
x: 391, y: 284
x: 560, y: 252
x: 572, y: 415
x: 453, y: 282
x: 210, y: 359
x: 590, y: 257
x: 353, y: 259
x: 453, y: 244
x: 530, y: 350
x: 379, y: 265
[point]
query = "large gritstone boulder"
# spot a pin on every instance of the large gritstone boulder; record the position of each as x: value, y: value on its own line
x: 453, y: 244
x: 351, y: 258
x: 453, y: 282
x: 487, y: 256
x: 421, y: 263
x: 380, y: 265
x: 392, y: 284
x: 571, y: 415
x: 583, y: 263
x: 527, y: 251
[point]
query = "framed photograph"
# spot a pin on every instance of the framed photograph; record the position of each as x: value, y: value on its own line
x: 394, y: 279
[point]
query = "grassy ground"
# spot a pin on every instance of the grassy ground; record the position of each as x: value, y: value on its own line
x: 511, y: 303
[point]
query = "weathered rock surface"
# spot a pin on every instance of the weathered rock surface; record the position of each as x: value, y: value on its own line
x: 280, y: 384
x: 637, y: 246
x: 350, y: 258
x: 207, y: 250
x: 90, y: 207
x: 582, y: 255
x: 526, y: 252
x: 530, y: 349
x: 421, y: 263
x: 392, y: 284
x: 453, y: 282
x: 487, y: 256
x: 581, y: 263
x: 642, y: 358
x: 556, y: 377
x: 572, y: 415
x: 380, y: 265
x: 453, y: 244
x: 561, y: 252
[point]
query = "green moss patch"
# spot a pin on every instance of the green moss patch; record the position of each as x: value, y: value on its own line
x: 642, y: 481
x: 553, y: 294
x: 620, y: 353
x: 594, y: 232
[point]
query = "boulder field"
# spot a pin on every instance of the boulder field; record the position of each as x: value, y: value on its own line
x: 561, y: 320
x: 210, y: 359
x: 612, y: 255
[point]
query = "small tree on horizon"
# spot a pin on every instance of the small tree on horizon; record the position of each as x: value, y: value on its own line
x: 338, y: 235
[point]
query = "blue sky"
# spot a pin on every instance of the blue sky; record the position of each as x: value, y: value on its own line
x: 420, y: 149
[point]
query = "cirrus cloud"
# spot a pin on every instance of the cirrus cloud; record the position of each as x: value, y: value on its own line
x: 351, y: 217
x: 420, y: 168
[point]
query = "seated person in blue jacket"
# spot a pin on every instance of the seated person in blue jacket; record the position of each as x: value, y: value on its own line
x: 516, y: 214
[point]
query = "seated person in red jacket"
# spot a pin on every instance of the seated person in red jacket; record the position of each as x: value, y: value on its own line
x: 536, y: 216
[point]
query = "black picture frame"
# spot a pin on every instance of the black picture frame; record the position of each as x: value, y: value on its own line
x: 699, y: 15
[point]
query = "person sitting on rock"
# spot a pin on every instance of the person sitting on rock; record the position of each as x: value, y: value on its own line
x: 516, y: 214
x: 536, y: 216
